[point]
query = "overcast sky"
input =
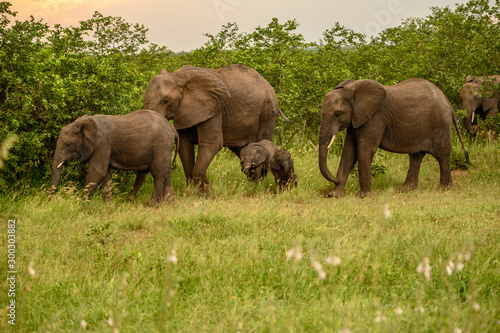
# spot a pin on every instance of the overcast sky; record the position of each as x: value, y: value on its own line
x: 180, y: 24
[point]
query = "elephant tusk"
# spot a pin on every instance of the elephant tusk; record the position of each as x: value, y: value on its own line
x: 331, y: 142
x: 60, y: 165
x: 473, y: 115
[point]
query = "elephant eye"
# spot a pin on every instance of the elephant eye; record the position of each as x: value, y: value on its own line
x: 337, y: 114
x: 166, y: 101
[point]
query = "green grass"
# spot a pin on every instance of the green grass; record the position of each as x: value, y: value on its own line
x: 95, y: 260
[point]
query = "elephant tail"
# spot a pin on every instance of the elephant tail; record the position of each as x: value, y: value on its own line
x: 284, y: 117
x: 455, y: 122
x: 177, y: 139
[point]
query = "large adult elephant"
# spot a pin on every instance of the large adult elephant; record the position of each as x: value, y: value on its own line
x: 412, y: 117
x: 479, y: 102
x: 229, y: 106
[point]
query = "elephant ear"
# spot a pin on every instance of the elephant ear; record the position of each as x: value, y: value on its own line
x: 343, y: 83
x: 203, y: 96
x: 366, y: 97
x: 469, y: 78
x: 259, y: 156
x: 87, y: 126
x: 489, y: 103
x: 275, y: 164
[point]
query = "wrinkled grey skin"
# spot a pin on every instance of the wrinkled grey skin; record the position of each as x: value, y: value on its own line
x: 412, y: 117
x: 141, y: 141
x: 255, y: 159
x: 230, y: 106
x: 283, y: 170
x: 476, y: 104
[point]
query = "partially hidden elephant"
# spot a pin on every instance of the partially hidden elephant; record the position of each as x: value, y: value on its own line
x: 283, y: 170
x: 255, y: 159
x: 229, y: 106
x: 412, y: 117
x: 478, y: 101
x: 140, y: 141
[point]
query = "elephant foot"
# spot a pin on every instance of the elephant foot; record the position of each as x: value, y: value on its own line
x: 336, y: 193
x: 408, y: 187
x: 444, y: 187
x: 202, y: 187
x: 364, y: 194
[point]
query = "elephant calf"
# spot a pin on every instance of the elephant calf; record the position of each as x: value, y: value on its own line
x: 141, y: 141
x: 282, y: 169
x: 257, y: 158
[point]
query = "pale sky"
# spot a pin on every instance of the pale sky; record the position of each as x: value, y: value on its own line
x: 180, y: 24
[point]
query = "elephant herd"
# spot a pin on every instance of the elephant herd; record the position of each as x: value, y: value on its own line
x: 236, y: 107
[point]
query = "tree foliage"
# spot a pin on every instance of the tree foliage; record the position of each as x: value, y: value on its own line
x: 49, y: 76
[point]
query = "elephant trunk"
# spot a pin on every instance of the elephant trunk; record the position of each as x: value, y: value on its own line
x: 469, y: 119
x: 56, y: 170
x: 326, y: 135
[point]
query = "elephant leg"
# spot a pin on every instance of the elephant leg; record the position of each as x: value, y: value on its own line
x: 168, y: 192
x: 370, y: 136
x: 411, y: 182
x: 105, y: 186
x: 98, y: 168
x: 139, y: 181
x: 445, y: 180
x: 347, y: 161
x: 210, y: 142
x: 186, y: 152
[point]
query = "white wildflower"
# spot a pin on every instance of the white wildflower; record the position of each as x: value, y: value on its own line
x: 110, y: 321
x: 345, y: 330
x: 398, y: 311
x: 83, y: 324
x: 476, y: 306
x: 319, y: 269
x: 294, y: 253
x: 380, y: 317
x: 425, y: 268
x: 450, y: 267
x: 31, y: 270
x: 172, y: 258
x: 334, y: 261
x: 386, y: 211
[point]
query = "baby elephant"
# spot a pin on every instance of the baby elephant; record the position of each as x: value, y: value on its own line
x: 141, y: 141
x: 282, y: 169
x: 257, y: 158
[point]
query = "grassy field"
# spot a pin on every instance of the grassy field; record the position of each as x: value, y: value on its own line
x: 247, y: 259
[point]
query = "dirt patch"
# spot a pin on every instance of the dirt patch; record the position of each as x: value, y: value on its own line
x: 460, y: 173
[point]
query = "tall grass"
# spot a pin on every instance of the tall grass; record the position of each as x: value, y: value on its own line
x: 250, y: 259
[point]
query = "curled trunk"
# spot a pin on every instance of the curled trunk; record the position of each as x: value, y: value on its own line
x: 325, y: 136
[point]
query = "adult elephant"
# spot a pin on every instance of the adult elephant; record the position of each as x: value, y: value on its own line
x: 479, y: 101
x: 229, y: 106
x: 412, y: 117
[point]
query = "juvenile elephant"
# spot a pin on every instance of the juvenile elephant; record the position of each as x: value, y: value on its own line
x: 478, y: 101
x: 412, y: 117
x: 256, y: 157
x: 283, y: 170
x: 141, y: 141
x: 230, y: 106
